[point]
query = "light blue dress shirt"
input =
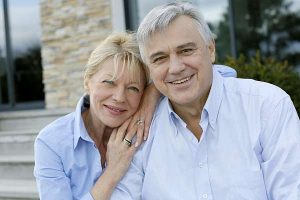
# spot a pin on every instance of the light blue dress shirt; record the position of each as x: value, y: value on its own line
x: 249, y: 149
x: 67, y: 163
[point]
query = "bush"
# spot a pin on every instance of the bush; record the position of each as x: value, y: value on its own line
x: 271, y: 71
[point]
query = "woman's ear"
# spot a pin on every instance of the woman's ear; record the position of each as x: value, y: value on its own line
x: 86, y: 86
x: 212, y: 51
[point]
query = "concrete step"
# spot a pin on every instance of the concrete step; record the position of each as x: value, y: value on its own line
x: 19, y: 142
x: 18, y: 189
x: 29, y: 119
x: 16, y: 167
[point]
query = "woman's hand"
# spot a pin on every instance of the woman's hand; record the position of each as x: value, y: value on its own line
x: 141, y: 120
x: 119, y: 150
x: 118, y: 158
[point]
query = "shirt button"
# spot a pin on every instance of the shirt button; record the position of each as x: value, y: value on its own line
x: 201, y: 164
x: 204, y: 196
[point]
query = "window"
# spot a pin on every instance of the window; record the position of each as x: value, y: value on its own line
x: 271, y: 27
x: 21, y: 55
x: 214, y: 11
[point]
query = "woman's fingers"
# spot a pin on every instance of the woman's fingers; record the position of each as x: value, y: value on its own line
x: 147, y: 124
x: 130, y: 135
x: 113, y: 135
x: 122, y: 130
x: 139, y: 124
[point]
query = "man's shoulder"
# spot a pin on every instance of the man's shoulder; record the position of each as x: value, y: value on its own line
x: 160, y: 118
x: 253, y: 89
x: 160, y: 112
x: 162, y: 107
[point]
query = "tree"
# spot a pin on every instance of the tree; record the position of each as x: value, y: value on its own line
x: 269, y: 26
x: 28, y: 75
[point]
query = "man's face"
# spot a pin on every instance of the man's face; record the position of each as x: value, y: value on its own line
x: 180, y: 62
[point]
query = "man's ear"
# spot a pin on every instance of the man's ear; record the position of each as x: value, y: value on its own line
x: 212, y: 51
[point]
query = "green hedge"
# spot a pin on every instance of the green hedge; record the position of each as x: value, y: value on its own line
x: 271, y: 71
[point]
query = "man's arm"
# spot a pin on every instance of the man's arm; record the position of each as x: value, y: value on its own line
x: 280, y: 142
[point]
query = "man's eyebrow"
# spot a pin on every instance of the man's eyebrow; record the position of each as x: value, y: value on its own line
x: 189, y: 44
x: 159, y: 53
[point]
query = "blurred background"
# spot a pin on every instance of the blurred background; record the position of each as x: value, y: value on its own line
x: 45, y: 44
x: 241, y: 27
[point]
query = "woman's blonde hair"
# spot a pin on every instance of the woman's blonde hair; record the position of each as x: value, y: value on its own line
x: 121, y: 47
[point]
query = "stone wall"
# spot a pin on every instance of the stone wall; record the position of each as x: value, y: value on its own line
x: 71, y: 29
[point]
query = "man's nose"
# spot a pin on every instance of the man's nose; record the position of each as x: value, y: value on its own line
x: 176, y: 64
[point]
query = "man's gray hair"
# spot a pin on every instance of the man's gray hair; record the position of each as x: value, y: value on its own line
x: 161, y: 16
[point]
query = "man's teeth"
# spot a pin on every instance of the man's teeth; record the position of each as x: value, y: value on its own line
x: 181, y: 81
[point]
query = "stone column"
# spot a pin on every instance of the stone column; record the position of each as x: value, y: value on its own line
x: 71, y: 29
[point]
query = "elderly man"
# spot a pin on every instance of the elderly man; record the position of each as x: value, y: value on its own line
x: 211, y: 137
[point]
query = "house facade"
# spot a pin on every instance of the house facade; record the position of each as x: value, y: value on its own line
x: 45, y: 44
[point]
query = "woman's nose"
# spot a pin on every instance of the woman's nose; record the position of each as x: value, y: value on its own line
x: 119, y: 94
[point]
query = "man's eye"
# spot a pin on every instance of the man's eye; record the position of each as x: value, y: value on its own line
x: 158, y: 59
x: 109, y: 82
x: 134, y: 89
x: 187, y: 51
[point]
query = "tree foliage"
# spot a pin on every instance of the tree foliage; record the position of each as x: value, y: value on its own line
x: 269, y: 26
x: 271, y: 71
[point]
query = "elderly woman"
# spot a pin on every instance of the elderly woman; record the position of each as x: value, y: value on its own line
x: 84, y: 154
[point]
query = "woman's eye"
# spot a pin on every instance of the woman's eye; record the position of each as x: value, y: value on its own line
x: 108, y: 82
x: 134, y: 89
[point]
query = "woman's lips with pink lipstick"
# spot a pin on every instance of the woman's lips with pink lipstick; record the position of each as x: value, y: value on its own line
x: 114, y: 110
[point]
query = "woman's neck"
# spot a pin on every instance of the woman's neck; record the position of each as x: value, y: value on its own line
x: 99, y: 133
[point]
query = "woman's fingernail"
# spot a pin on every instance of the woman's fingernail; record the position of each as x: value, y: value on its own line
x: 136, y: 144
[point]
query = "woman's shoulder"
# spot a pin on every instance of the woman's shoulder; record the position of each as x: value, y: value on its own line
x: 59, y: 130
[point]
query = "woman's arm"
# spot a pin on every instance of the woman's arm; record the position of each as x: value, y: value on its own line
x: 119, y: 155
x: 51, y: 179
x: 143, y: 116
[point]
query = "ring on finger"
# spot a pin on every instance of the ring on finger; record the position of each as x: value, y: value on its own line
x: 139, y: 122
x: 128, y: 142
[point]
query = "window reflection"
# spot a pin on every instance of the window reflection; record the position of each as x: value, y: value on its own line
x: 3, y: 80
x: 271, y: 27
x: 214, y: 12
x: 26, y: 50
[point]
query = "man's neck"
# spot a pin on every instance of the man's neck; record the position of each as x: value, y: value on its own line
x: 191, y: 115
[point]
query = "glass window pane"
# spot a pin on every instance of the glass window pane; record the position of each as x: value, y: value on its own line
x: 215, y: 13
x: 3, y: 79
x: 25, y: 39
x: 212, y: 10
x: 272, y: 27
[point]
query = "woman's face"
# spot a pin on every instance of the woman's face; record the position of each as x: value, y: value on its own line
x: 112, y: 101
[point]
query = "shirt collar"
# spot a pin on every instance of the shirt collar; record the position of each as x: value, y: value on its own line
x: 173, y: 117
x: 213, y: 102
x: 79, y: 128
x: 211, y: 106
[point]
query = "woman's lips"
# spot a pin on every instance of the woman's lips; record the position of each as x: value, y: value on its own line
x: 114, y: 110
